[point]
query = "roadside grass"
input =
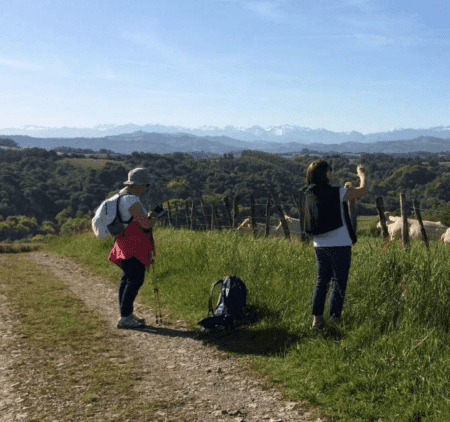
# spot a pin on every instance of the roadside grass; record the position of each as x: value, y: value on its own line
x: 62, y: 341
x: 17, y: 248
x: 388, y: 359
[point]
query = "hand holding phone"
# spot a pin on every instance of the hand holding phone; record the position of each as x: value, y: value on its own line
x: 158, y: 212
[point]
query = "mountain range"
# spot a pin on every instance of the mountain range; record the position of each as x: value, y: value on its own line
x: 166, y: 143
x: 277, y: 134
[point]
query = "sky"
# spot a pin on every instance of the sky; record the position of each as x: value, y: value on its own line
x: 341, y: 65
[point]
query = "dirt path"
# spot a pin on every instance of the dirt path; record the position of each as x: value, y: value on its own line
x: 204, y: 384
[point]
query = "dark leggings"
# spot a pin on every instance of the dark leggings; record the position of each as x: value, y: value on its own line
x: 333, y: 264
x: 133, y: 274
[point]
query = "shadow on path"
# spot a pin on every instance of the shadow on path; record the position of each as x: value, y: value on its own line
x: 247, y: 339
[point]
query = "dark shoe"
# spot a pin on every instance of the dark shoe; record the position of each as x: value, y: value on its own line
x: 129, y: 323
x: 334, y: 320
x: 141, y: 320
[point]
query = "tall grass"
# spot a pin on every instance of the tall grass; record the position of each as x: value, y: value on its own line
x: 388, y: 360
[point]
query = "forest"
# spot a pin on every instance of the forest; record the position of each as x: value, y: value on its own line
x: 46, y: 188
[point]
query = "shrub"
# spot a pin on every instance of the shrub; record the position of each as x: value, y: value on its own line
x: 37, y: 238
x: 48, y: 228
x: 76, y: 225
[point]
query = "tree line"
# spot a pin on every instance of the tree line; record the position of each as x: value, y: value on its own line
x: 49, y: 185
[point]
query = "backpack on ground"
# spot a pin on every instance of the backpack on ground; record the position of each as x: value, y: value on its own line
x: 230, y: 307
x: 107, y: 222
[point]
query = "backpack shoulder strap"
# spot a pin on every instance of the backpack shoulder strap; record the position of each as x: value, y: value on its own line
x: 210, y: 307
x: 118, y: 213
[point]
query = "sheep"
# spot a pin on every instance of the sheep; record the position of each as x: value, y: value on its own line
x: 246, y: 227
x: 446, y: 236
x: 293, y: 225
x: 434, y: 229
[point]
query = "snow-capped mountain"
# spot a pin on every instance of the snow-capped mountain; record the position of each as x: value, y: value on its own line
x: 278, y: 134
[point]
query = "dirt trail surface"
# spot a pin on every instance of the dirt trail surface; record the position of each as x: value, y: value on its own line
x: 203, y: 384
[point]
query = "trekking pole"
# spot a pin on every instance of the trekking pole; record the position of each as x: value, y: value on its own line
x: 158, y: 308
x: 158, y: 303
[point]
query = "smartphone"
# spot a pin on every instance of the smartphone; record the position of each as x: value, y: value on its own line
x: 159, y: 211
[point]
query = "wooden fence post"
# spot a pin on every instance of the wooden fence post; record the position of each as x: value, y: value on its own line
x: 186, y: 206
x: 266, y: 233
x: 205, y: 219
x: 287, y: 233
x: 235, y: 211
x: 382, y: 217
x: 301, y: 216
x: 176, y: 215
x: 416, y: 206
x: 213, y: 217
x: 252, y: 213
x: 405, y: 226
x: 228, y: 211
x: 169, y: 214
x: 192, y: 214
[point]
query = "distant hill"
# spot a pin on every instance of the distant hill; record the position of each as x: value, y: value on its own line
x: 165, y: 143
x: 278, y: 134
x: 158, y: 143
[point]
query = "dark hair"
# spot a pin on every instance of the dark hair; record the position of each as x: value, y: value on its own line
x: 316, y: 172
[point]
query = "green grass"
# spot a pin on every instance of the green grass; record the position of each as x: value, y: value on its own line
x: 388, y: 361
x: 366, y: 221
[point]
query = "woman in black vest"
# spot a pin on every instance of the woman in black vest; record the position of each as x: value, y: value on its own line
x: 327, y: 220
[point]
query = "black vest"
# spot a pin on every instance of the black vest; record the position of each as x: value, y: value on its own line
x: 323, y: 211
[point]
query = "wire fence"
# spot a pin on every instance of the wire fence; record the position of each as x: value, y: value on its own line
x: 264, y: 216
x: 268, y: 217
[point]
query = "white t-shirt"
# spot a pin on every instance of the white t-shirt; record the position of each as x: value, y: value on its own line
x: 126, y: 202
x: 338, y: 237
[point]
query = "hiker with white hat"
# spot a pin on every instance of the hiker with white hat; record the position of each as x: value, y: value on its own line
x: 134, y: 249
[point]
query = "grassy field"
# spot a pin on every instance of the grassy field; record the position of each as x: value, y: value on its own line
x: 388, y: 361
x: 88, y: 162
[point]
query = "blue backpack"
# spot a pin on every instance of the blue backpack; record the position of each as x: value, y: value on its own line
x: 230, y: 307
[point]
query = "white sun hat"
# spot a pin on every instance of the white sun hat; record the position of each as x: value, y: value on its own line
x: 138, y: 176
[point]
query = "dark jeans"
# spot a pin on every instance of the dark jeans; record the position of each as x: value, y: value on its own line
x: 133, y: 274
x: 333, y: 264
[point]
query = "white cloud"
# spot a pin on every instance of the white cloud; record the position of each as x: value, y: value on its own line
x: 267, y: 9
x: 108, y: 75
x: 21, y: 65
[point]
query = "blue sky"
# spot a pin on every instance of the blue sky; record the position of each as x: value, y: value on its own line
x: 342, y: 65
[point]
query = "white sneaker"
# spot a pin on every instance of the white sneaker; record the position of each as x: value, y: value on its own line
x: 129, y: 322
x: 141, y: 320
x: 318, y: 322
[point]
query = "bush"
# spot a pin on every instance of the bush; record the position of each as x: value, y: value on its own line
x: 76, y: 225
x: 48, y: 228
x: 37, y: 239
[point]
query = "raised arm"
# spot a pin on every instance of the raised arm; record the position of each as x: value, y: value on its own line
x: 361, y: 190
x: 138, y: 214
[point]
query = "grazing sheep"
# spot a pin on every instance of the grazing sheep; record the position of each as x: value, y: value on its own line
x: 446, y: 236
x: 293, y: 224
x: 434, y: 229
x: 246, y: 227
